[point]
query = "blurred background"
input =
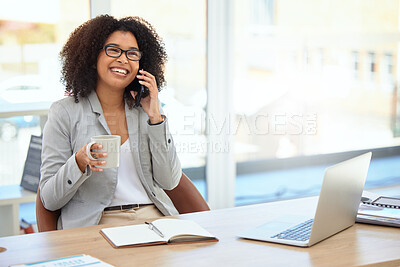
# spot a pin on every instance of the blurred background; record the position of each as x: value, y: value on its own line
x: 312, y: 82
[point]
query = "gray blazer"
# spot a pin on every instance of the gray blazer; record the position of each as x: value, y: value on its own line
x: 83, y: 196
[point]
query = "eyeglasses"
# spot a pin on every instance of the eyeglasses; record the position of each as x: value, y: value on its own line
x: 116, y: 52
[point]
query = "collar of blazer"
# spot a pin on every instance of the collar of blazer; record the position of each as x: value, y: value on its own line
x: 95, y: 103
x: 132, y: 116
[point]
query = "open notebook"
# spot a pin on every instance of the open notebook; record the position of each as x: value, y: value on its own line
x: 161, y: 231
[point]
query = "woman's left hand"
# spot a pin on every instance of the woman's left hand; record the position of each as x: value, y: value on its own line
x: 149, y: 103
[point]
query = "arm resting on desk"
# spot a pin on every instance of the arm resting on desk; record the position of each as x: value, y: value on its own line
x: 185, y: 196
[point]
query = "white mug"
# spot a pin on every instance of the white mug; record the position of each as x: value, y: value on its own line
x: 111, y: 145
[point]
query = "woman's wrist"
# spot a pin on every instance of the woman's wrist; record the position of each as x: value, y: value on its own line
x: 156, y: 121
x: 78, y: 162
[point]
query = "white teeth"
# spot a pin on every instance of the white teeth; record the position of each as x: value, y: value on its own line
x: 119, y: 70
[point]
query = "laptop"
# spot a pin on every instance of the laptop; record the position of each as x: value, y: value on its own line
x: 337, y: 208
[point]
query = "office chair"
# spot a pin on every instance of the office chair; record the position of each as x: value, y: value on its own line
x: 185, y: 197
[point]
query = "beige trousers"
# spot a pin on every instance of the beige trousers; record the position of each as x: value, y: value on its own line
x: 130, y: 216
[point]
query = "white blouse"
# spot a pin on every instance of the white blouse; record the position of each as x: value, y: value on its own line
x: 129, y: 189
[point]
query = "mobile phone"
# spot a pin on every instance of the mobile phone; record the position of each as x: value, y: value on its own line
x: 143, y: 92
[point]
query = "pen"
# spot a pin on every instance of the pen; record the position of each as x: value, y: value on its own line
x: 155, y: 229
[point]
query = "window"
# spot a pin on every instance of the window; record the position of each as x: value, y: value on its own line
x: 295, y: 96
x: 31, y: 35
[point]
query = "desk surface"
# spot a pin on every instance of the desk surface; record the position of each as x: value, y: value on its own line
x: 358, y: 245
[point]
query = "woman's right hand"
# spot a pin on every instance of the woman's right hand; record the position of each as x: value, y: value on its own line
x: 83, y: 160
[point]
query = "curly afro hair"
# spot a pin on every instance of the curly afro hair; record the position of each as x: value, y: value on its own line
x: 80, y: 52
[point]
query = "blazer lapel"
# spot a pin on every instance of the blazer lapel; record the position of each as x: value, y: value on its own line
x: 96, y: 108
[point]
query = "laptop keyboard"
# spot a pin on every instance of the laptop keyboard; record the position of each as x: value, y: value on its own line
x: 300, y: 232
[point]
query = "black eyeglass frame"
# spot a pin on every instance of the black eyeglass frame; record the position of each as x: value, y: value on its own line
x: 122, y: 51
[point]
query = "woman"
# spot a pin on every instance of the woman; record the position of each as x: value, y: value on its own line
x: 104, y: 64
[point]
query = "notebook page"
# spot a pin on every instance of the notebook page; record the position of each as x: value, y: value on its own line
x: 177, y: 227
x: 131, y: 235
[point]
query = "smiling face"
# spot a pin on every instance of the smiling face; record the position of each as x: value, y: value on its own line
x: 117, y: 73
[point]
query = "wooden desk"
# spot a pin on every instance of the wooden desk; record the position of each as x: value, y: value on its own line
x: 11, y: 196
x: 357, y: 245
